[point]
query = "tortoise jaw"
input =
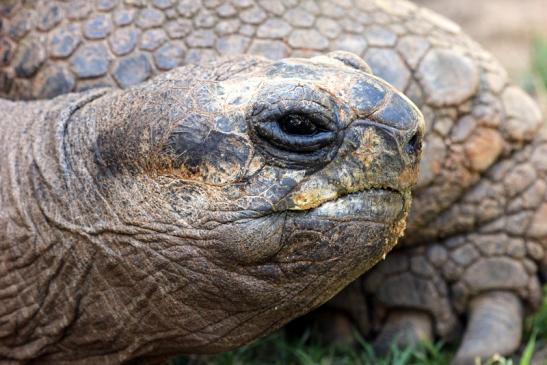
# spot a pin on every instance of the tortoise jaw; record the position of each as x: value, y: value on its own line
x: 376, y: 205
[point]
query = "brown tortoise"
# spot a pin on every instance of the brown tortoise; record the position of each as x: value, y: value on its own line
x: 475, y: 243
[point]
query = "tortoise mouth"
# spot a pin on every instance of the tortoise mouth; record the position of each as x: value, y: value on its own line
x: 382, y: 205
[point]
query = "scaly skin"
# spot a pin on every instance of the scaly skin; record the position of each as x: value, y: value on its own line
x: 480, y: 206
x: 142, y: 223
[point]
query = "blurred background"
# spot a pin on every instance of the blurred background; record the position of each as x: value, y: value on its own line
x: 507, y: 28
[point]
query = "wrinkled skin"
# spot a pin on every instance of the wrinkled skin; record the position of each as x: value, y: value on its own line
x: 196, y: 211
x: 477, y: 224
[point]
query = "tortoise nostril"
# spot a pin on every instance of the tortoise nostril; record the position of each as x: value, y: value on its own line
x: 414, y: 144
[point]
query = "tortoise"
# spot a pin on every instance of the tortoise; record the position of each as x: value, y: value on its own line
x: 473, y: 255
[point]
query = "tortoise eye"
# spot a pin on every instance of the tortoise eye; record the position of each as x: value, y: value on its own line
x: 298, y: 125
x: 295, y: 132
x: 300, y: 132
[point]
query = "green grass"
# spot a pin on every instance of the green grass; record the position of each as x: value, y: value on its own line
x: 539, y: 59
x: 536, y: 332
x: 534, y: 81
x: 277, y: 349
x: 538, y: 321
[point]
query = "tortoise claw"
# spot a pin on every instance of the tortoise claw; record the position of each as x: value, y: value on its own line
x: 494, y: 327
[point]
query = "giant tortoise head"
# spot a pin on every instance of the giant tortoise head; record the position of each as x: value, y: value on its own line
x: 231, y: 197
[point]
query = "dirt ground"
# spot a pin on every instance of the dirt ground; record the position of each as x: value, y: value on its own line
x: 504, y: 27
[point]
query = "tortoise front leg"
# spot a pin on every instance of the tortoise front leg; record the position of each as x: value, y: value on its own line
x: 495, y: 327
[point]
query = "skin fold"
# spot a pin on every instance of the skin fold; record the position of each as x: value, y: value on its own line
x: 476, y: 233
x: 142, y: 223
